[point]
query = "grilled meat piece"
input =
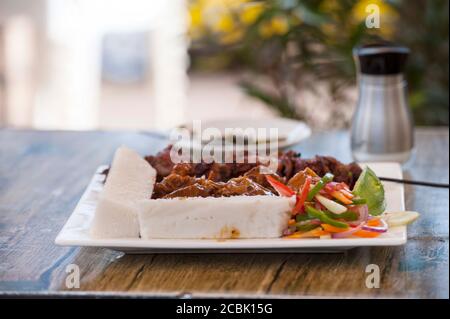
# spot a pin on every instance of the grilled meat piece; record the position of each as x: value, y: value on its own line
x: 171, y: 183
x: 286, y: 164
x: 223, y: 172
x: 289, y: 164
x: 258, y: 175
x: 161, y: 162
x: 186, y: 186
x: 347, y: 173
x: 200, y: 187
x: 241, y: 186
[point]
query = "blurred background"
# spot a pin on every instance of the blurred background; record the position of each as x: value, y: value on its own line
x: 140, y: 65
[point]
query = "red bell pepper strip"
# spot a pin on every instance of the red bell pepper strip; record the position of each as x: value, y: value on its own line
x: 282, y: 189
x: 301, y: 198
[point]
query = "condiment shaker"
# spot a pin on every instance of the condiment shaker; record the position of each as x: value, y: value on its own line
x: 382, y: 126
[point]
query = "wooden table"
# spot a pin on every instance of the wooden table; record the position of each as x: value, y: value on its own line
x: 43, y: 174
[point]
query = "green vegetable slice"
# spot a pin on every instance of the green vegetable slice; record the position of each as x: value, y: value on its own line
x: 324, y: 218
x: 306, y: 227
x: 348, y: 215
x: 328, y: 177
x: 370, y: 188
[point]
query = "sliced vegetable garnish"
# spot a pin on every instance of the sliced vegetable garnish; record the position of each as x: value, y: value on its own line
x: 289, y: 231
x: 332, y: 229
x: 348, y: 215
x: 363, y: 214
x: 347, y: 193
x: 299, y: 205
x: 400, y: 218
x: 282, y: 189
x: 341, y: 197
x: 333, y: 211
x: 382, y: 228
x: 369, y: 187
x: 332, y: 206
x: 315, y: 213
x: 366, y: 234
x: 359, y: 201
x: 317, y: 232
x: 307, y: 226
x: 301, y: 217
x: 375, y: 222
x: 328, y: 177
x: 347, y: 233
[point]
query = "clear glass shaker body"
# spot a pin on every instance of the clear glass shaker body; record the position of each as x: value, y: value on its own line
x: 382, y: 128
x: 382, y: 125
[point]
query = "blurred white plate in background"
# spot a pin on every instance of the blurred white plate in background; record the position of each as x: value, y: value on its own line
x: 290, y: 131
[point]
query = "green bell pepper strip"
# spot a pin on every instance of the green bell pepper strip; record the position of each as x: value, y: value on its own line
x: 301, y: 217
x: 324, y: 218
x: 328, y: 177
x: 306, y: 227
x: 359, y: 201
x: 348, y: 215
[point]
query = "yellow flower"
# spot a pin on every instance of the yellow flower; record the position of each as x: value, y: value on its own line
x: 251, y: 12
x: 195, y: 13
x: 280, y: 25
x: 195, y: 16
x: 224, y: 24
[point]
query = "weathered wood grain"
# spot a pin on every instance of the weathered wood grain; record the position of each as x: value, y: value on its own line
x: 42, y: 176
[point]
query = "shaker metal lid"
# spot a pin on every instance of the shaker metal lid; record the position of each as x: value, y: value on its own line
x: 381, y: 59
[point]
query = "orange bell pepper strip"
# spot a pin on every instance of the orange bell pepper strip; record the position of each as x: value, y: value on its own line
x: 282, y: 189
x: 341, y: 197
x: 346, y: 193
x: 332, y: 229
x: 366, y: 234
x: 374, y: 222
x: 316, y: 232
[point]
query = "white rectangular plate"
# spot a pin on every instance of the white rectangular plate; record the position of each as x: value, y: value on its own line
x: 76, y: 230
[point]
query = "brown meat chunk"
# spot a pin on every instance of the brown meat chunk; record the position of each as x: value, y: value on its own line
x: 161, y: 162
x: 171, y: 183
x: 327, y: 164
x: 289, y: 164
x: 184, y: 169
x: 241, y: 186
x: 258, y: 175
x: 220, y: 172
x: 185, y: 186
x: 189, y: 191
